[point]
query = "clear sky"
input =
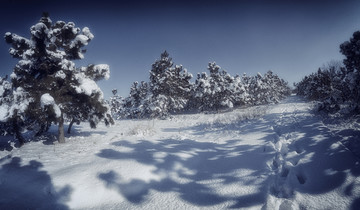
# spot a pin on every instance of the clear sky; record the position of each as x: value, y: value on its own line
x: 290, y: 37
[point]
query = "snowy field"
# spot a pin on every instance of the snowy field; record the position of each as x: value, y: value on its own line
x: 268, y: 157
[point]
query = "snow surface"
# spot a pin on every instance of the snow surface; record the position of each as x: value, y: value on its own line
x: 266, y: 157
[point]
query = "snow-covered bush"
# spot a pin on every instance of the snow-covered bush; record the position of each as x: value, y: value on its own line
x: 47, y: 83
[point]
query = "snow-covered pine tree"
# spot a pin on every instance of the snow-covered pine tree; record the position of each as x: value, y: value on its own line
x: 256, y: 89
x: 170, y: 87
x: 213, y: 92
x: 177, y: 88
x: 136, y: 105
x: 239, y: 92
x: 328, y: 86
x: 132, y: 103
x: 351, y: 50
x: 246, y: 81
x: 13, y: 104
x: 217, y: 86
x: 201, y: 93
x: 47, y: 79
x: 116, y: 104
x: 277, y: 88
x: 157, y: 73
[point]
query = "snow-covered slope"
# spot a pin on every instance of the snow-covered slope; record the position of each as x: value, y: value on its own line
x: 267, y: 157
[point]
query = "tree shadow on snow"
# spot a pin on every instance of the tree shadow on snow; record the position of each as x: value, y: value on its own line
x: 330, y: 160
x: 314, y: 160
x: 28, y: 187
x: 310, y: 160
x: 191, y: 169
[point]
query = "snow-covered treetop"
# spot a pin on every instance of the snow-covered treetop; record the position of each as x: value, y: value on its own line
x: 62, y: 40
x: 213, y: 68
x: 351, y: 50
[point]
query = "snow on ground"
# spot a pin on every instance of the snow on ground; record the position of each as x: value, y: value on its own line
x: 267, y: 157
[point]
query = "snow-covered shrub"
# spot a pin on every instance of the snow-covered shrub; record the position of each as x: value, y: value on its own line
x: 143, y: 128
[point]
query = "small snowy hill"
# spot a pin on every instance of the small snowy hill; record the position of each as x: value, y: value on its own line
x: 267, y: 157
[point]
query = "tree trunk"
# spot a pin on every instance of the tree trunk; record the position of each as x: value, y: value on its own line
x: 61, y: 137
x: 18, y: 135
x: 70, y: 126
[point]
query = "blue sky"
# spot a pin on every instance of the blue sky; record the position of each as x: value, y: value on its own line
x: 290, y: 37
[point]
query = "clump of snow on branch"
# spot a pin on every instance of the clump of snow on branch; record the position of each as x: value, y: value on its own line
x: 47, y: 100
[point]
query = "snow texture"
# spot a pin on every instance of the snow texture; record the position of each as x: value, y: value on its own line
x: 47, y: 100
x: 87, y: 86
x: 103, y: 70
x: 3, y: 113
x: 264, y: 157
x: 87, y: 33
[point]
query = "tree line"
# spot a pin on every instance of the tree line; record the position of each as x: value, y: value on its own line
x: 337, y: 85
x: 47, y: 88
x: 170, y: 91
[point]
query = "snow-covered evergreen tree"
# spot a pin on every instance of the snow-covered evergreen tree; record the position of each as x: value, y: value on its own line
x: 214, y: 92
x: 48, y: 81
x: 246, y: 81
x: 116, y: 104
x: 257, y: 89
x: 170, y: 87
x: 328, y: 86
x: 277, y: 88
x: 158, y: 72
x: 168, y: 91
x: 13, y: 104
x: 240, y: 94
x: 136, y: 104
x: 177, y: 88
x: 351, y: 50
x: 201, y: 92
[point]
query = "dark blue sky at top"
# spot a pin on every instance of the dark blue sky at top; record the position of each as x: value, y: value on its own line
x: 290, y: 37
